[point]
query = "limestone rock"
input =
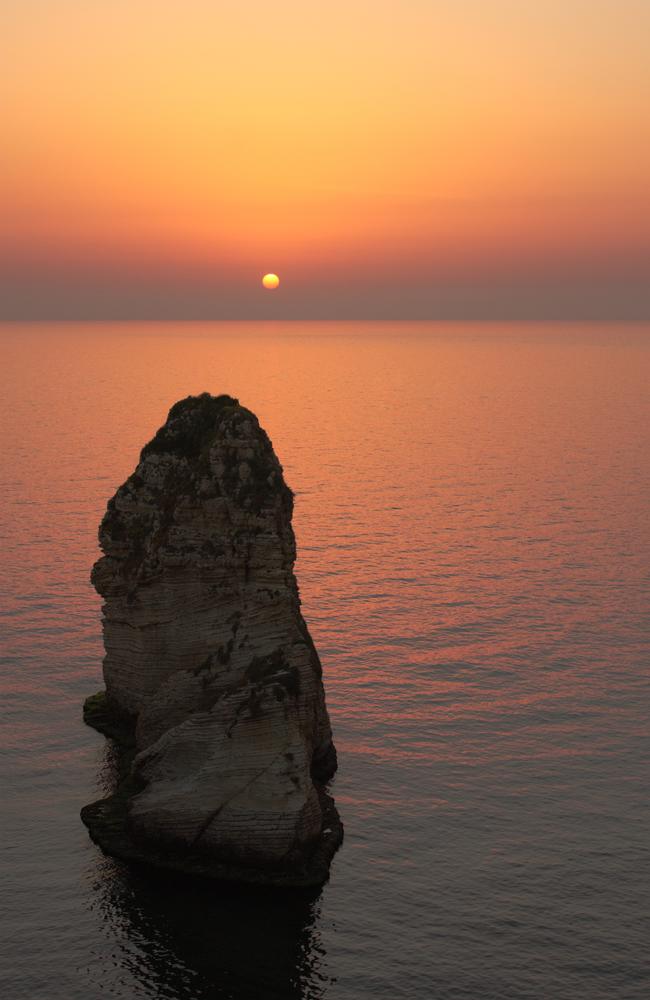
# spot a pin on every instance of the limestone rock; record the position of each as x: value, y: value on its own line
x: 212, y: 678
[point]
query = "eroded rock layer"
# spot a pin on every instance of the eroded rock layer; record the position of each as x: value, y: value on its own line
x: 212, y: 679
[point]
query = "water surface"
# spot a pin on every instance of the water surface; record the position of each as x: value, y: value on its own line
x: 474, y: 550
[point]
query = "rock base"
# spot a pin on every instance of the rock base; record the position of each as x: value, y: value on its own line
x: 107, y: 821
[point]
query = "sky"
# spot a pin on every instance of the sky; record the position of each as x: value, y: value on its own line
x: 423, y: 158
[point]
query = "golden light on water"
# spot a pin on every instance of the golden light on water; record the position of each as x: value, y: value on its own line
x: 270, y: 281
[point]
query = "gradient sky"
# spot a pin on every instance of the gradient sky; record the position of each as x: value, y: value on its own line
x: 425, y: 158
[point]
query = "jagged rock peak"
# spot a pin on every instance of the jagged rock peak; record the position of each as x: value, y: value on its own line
x: 211, y: 674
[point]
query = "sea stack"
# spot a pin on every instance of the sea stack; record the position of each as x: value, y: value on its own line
x: 214, y: 688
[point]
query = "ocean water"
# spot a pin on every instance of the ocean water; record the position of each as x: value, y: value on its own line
x: 473, y: 529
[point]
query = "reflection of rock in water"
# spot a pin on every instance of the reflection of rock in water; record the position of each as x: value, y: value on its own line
x: 212, y: 679
x: 193, y: 939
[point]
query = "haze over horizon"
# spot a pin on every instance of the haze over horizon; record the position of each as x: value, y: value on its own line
x: 457, y: 159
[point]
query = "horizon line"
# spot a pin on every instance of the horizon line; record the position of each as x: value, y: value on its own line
x: 628, y: 320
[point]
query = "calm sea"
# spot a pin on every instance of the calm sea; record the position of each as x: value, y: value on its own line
x: 473, y: 529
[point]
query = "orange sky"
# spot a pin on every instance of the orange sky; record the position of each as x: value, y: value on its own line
x: 427, y: 157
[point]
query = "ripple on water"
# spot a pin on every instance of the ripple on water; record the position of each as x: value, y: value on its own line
x: 474, y: 537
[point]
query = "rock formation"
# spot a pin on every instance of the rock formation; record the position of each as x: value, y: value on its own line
x: 213, y: 684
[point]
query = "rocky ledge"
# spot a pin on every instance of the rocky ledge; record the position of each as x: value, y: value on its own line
x: 214, y: 688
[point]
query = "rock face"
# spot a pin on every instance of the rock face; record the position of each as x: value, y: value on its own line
x: 213, y: 684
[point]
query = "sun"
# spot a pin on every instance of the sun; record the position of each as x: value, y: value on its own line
x: 270, y: 281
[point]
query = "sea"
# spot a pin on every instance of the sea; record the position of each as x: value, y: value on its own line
x: 473, y: 525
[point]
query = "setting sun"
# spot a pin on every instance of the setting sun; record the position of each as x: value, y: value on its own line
x: 270, y: 281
